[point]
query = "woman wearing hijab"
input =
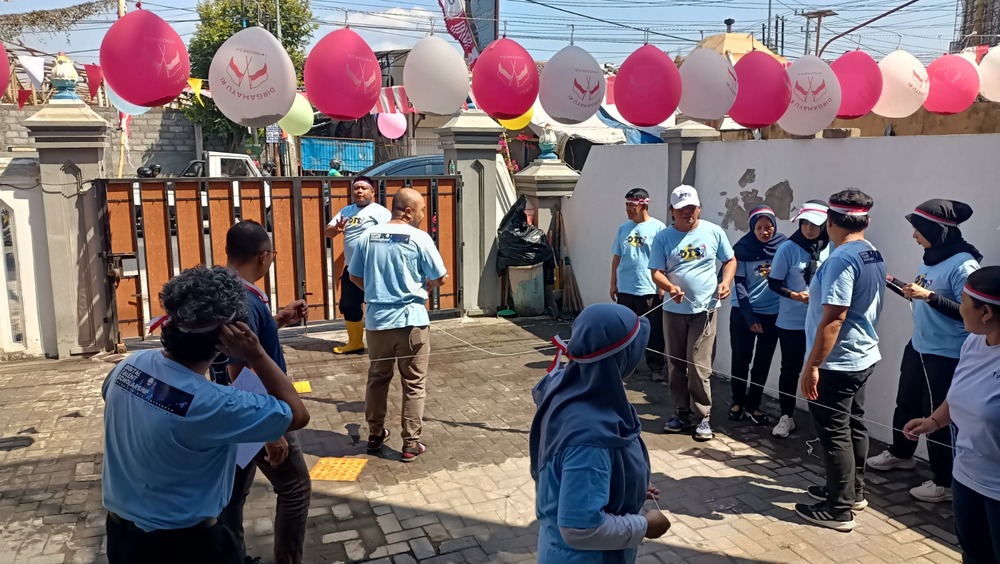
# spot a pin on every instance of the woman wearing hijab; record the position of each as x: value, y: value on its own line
x: 590, y: 466
x: 973, y: 407
x: 792, y: 270
x: 752, y: 331
x: 930, y: 358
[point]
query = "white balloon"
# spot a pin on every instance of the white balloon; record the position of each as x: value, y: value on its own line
x: 710, y: 85
x: 572, y: 86
x: 252, y: 78
x: 122, y: 105
x: 816, y: 97
x: 989, y: 70
x: 436, y: 77
x: 904, y: 85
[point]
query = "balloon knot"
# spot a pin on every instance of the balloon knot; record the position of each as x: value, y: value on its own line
x: 138, y: 5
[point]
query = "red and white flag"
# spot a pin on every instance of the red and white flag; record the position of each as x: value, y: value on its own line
x: 457, y: 22
x: 393, y: 100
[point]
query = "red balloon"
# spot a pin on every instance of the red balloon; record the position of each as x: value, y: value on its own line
x: 342, y: 76
x: 144, y: 60
x: 765, y: 90
x: 954, y: 85
x: 4, y: 69
x: 647, y: 87
x: 505, y: 80
x: 860, y: 83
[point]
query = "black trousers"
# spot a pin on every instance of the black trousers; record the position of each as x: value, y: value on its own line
x: 640, y: 305
x: 352, y: 299
x: 924, y: 380
x: 793, y: 356
x: 748, y: 383
x: 838, y: 414
x: 201, y: 544
x: 977, y: 524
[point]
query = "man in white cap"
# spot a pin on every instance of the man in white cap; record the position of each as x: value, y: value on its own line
x: 683, y: 266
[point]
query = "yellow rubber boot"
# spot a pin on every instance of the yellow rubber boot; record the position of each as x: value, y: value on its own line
x: 355, y: 339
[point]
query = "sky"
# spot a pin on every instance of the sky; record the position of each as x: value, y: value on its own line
x: 925, y: 28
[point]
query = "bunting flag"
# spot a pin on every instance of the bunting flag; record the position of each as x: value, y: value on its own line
x: 22, y: 97
x: 981, y: 51
x: 35, y: 68
x: 196, y: 84
x: 95, y: 76
x: 125, y: 125
x: 393, y: 100
x: 609, y: 93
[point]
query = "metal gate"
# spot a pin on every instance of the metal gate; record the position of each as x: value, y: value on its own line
x: 157, y: 227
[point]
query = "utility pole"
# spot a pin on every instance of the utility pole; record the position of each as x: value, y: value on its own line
x: 277, y: 18
x: 817, y: 15
x: 769, y: 36
x: 122, y: 140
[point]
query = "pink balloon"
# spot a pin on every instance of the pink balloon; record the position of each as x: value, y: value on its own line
x: 505, y: 80
x: 954, y: 85
x: 144, y: 60
x: 343, y: 76
x: 4, y: 68
x: 765, y: 90
x: 391, y: 126
x: 647, y: 87
x: 860, y: 83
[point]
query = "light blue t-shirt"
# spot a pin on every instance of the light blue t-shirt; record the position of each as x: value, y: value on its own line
x: 396, y: 261
x: 853, y: 276
x: 974, y: 402
x: 789, y: 265
x: 170, y: 440
x: 755, y: 273
x: 572, y: 491
x: 934, y: 332
x: 361, y: 219
x: 633, y: 244
x: 688, y: 258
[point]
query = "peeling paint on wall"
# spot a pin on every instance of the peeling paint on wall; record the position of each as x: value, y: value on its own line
x: 778, y: 197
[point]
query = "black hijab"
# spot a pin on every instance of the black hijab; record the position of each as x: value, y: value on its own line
x: 749, y: 248
x: 814, y: 247
x: 937, y: 221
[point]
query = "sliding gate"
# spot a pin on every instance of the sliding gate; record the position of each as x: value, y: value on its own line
x: 157, y: 227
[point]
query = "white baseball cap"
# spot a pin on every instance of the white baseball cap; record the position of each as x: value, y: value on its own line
x: 684, y: 196
x: 813, y: 211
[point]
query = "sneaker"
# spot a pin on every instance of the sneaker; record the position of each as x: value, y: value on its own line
x: 759, y: 418
x: 252, y: 560
x: 886, y: 461
x: 375, y: 442
x: 931, y: 492
x: 676, y: 425
x: 412, y: 451
x: 704, y: 431
x: 737, y: 415
x: 784, y: 427
x: 819, y: 493
x: 818, y: 514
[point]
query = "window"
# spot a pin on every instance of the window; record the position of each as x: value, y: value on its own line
x: 234, y: 168
x: 11, y: 278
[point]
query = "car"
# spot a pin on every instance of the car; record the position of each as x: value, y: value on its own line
x: 421, y: 165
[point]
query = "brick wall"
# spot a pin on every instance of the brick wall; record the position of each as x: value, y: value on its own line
x: 161, y: 136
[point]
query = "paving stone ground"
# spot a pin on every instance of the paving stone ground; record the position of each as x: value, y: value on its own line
x: 470, y: 497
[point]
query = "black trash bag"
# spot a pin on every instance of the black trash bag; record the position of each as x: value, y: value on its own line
x: 522, y: 244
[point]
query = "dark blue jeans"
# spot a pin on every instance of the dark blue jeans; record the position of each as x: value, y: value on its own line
x: 977, y: 523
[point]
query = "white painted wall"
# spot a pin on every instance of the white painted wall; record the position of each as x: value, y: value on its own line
x: 898, y: 172
x: 597, y: 207
x: 23, y: 196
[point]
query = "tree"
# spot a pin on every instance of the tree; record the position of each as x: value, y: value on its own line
x: 220, y: 19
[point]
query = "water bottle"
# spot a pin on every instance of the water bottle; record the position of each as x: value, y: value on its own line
x: 452, y: 167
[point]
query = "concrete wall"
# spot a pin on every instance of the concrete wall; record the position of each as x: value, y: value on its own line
x: 21, y: 195
x: 162, y: 136
x: 899, y: 173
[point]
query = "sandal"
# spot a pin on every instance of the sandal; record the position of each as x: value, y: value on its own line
x: 375, y: 442
x: 412, y: 451
x: 737, y: 415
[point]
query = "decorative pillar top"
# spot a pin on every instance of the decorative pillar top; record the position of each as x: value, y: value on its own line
x: 64, y: 78
x: 547, y: 178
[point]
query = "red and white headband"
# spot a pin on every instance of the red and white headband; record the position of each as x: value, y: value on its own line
x: 165, y: 320
x: 849, y: 210
x: 637, y: 201
x: 601, y: 354
x: 994, y: 300
x: 934, y: 218
x: 365, y: 182
x: 760, y: 211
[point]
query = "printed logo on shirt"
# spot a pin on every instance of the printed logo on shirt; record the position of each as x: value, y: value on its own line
x: 763, y: 270
x: 923, y: 281
x: 870, y: 257
x: 691, y: 253
x: 996, y: 375
x: 636, y: 240
x: 154, y: 392
x: 390, y: 238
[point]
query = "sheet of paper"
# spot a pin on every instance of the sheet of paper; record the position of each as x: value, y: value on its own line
x: 248, y: 382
